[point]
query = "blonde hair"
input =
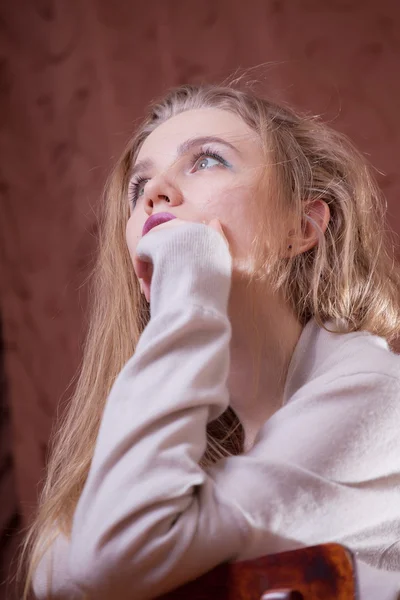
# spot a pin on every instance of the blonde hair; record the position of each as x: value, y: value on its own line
x: 349, y: 277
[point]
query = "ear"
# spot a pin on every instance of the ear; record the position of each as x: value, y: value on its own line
x: 315, y: 221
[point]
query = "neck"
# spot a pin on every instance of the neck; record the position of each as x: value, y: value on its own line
x: 264, y: 335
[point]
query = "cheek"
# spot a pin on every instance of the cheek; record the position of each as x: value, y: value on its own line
x: 226, y: 202
x: 234, y: 207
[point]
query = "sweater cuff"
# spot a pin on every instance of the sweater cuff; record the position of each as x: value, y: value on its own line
x: 191, y: 265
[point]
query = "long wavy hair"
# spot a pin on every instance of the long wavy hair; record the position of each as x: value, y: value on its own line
x: 350, y: 277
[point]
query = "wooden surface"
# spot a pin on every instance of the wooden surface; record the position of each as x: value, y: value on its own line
x: 324, y: 572
x: 74, y: 77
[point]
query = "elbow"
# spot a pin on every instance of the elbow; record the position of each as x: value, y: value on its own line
x: 109, y: 569
x: 102, y: 574
x: 127, y: 566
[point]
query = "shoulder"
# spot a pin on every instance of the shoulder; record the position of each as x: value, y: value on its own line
x: 326, y: 359
x: 341, y: 412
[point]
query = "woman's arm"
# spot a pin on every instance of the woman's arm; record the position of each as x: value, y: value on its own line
x: 148, y: 518
x: 324, y: 468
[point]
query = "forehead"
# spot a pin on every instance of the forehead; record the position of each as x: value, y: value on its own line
x: 199, y: 122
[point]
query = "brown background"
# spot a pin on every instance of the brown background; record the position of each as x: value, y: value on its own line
x: 74, y: 77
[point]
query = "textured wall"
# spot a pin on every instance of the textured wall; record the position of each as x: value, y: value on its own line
x: 74, y: 76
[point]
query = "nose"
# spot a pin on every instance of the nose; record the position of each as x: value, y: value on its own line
x: 160, y: 192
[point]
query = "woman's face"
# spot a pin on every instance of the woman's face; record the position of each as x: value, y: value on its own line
x: 199, y: 165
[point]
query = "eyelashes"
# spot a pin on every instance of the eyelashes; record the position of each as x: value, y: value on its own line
x: 134, y: 189
x: 137, y: 184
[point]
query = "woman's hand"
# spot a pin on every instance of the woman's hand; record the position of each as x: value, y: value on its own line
x: 144, y: 270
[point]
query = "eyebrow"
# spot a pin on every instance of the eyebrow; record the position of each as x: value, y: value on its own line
x: 147, y: 163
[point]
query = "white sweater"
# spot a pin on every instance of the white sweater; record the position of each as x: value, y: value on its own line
x: 325, y: 467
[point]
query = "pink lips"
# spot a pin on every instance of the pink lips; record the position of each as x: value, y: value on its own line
x: 155, y: 220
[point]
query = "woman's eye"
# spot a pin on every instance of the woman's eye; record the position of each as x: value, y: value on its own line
x: 206, y: 160
x: 140, y: 188
x: 136, y: 189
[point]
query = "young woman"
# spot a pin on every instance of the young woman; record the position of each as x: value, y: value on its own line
x: 238, y: 395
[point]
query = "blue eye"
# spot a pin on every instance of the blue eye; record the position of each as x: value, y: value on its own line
x: 207, y: 159
x: 204, y: 163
